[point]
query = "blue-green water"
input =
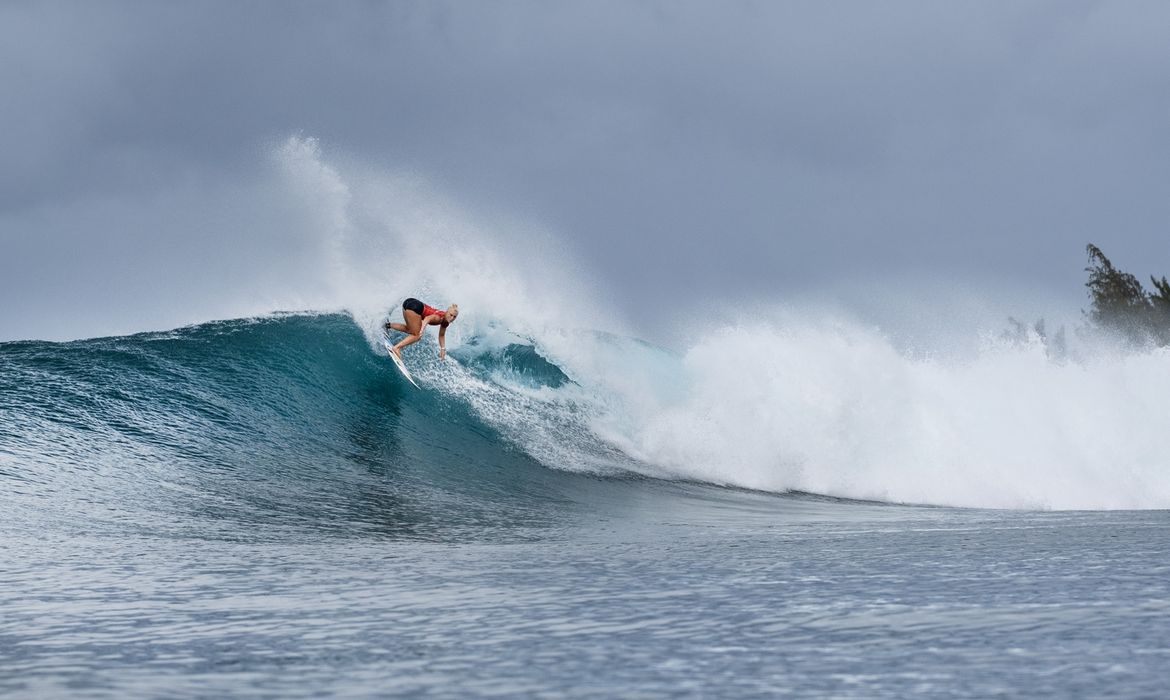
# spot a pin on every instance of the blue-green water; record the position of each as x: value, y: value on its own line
x: 263, y: 508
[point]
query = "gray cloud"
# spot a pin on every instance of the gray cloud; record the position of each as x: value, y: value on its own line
x: 685, y: 149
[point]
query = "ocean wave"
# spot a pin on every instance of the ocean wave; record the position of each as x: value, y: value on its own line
x: 831, y: 406
x: 305, y: 411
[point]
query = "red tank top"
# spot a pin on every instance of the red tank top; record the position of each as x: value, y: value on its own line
x: 431, y: 311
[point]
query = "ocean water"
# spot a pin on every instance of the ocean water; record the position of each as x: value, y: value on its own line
x: 264, y: 508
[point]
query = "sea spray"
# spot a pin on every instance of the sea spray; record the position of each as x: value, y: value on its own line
x: 805, y: 400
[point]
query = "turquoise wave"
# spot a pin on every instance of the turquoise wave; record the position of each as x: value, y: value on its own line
x: 293, y: 421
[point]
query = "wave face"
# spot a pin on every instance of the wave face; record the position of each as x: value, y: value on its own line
x: 287, y: 420
x: 290, y: 416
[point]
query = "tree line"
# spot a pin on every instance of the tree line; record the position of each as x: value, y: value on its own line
x: 1119, y: 303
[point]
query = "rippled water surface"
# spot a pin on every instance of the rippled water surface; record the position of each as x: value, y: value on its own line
x: 776, y: 595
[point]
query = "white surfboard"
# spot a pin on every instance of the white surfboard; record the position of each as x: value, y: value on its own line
x: 397, y: 362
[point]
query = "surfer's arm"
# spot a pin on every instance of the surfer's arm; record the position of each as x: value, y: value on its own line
x: 422, y: 327
x: 442, y: 342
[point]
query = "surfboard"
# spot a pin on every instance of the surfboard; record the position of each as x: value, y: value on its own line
x: 397, y: 362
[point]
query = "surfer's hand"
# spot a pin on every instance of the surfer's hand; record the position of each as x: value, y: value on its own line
x: 442, y: 353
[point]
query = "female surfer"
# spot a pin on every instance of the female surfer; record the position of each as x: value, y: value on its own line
x: 417, y: 317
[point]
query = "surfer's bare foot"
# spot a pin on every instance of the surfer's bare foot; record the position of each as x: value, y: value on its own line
x: 397, y: 352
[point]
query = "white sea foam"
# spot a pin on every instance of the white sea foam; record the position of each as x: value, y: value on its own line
x: 834, y: 408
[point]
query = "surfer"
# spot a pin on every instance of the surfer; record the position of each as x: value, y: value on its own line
x: 417, y: 317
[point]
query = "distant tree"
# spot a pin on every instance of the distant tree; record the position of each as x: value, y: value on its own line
x: 1119, y: 303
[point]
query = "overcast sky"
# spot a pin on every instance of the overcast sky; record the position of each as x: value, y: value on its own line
x: 681, y: 150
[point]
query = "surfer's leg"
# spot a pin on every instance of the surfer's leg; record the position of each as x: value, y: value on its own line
x: 400, y: 327
x: 413, y: 329
x: 408, y: 340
